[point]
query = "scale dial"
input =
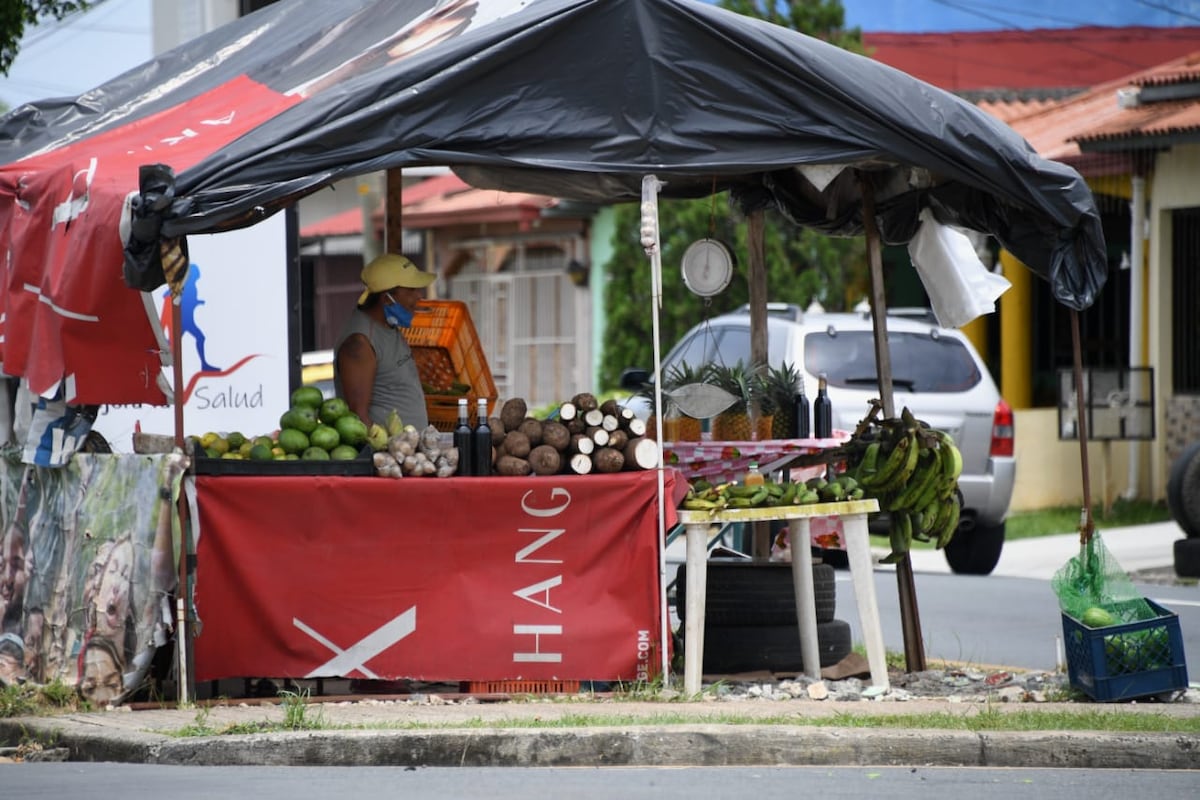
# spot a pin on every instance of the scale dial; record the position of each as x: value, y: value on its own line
x: 707, y: 267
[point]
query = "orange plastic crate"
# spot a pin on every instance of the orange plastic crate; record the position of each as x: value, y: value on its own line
x: 519, y: 687
x: 447, y: 350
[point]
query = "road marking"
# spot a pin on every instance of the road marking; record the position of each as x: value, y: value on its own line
x: 1173, y: 602
x: 358, y: 654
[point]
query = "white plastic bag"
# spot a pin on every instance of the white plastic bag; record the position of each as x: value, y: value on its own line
x: 959, y: 286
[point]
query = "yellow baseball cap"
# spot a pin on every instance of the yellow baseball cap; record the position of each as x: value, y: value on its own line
x: 389, y: 271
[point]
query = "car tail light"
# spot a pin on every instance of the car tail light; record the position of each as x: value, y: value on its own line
x: 1003, y: 432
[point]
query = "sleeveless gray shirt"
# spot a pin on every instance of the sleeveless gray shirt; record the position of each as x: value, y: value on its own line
x: 397, y: 381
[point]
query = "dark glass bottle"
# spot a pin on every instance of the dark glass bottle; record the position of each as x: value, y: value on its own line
x: 481, y: 442
x: 800, y: 415
x: 462, y: 438
x: 822, y: 412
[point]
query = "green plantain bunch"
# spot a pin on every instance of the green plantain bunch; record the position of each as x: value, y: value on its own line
x: 912, y: 470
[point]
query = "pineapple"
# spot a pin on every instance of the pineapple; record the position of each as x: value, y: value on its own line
x: 744, y: 383
x: 779, y: 389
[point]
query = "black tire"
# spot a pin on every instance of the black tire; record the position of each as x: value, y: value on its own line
x: 976, y: 550
x: 1187, y: 558
x: 775, y: 648
x: 1183, y: 490
x: 756, y: 593
x: 838, y: 559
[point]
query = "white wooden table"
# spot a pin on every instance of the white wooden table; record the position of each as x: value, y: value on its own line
x: 697, y: 525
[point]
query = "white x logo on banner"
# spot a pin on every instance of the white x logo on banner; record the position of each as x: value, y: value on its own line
x: 357, y: 655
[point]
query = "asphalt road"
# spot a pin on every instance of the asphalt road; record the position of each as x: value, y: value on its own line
x: 1011, y: 617
x: 126, y: 781
x: 994, y: 620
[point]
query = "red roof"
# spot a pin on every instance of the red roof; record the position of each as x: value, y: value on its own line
x: 439, y: 201
x: 1034, y: 59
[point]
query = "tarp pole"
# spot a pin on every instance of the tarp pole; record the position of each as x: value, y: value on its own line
x: 650, y: 243
x: 910, y: 618
x: 760, y: 536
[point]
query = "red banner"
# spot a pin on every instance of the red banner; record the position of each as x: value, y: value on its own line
x: 454, y: 579
x: 68, y: 316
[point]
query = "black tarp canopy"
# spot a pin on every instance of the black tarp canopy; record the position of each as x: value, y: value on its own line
x: 578, y: 99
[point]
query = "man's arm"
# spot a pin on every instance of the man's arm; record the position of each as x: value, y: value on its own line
x: 356, y: 367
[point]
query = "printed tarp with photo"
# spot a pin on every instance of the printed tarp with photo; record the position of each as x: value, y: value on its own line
x: 87, y: 569
x: 570, y: 98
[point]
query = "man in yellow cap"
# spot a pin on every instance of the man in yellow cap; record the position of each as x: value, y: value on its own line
x: 373, y: 370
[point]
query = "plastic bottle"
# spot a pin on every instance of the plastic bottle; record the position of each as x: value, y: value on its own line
x: 481, y: 442
x: 462, y: 439
x: 753, y: 477
x: 822, y: 412
x: 800, y: 412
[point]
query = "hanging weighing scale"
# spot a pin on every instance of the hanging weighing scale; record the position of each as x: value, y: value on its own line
x: 707, y: 267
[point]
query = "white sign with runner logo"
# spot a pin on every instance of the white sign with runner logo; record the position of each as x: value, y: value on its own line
x: 235, y: 340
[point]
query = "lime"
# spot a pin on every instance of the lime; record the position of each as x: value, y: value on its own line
x: 302, y: 418
x: 315, y: 454
x: 265, y: 440
x: 324, y: 437
x: 351, y: 429
x: 1097, y: 617
x: 333, y: 408
x: 260, y: 452
x: 236, y: 439
x: 307, y: 396
x: 343, y: 452
x: 293, y: 441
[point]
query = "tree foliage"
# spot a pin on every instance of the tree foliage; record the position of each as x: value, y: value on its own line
x: 802, y: 265
x: 16, y: 15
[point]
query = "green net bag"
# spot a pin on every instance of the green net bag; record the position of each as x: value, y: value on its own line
x: 1094, y: 579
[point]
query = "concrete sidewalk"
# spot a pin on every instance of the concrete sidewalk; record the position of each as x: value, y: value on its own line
x: 597, y: 731
x: 1136, y: 548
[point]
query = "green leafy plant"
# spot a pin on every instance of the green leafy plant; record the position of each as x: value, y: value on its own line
x: 295, y: 711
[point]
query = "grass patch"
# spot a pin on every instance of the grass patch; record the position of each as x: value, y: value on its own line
x: 21, y: 700
x: 1065, y: 519
x: 984, y: 718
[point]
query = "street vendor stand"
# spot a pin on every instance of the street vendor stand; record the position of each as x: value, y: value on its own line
x: 239, y: 124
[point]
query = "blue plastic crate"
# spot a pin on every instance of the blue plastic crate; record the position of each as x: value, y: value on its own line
x: 1128, y: 660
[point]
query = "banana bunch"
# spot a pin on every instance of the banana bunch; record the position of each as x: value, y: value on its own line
x: 912, y: 470
x: 705, y: 496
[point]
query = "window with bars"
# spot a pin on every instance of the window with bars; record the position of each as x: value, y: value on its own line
x: 1185, y: 300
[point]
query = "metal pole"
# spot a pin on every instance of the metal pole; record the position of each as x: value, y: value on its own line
x: 650, y: 243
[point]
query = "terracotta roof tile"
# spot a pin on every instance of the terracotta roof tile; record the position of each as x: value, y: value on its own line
x: 1095, y: 115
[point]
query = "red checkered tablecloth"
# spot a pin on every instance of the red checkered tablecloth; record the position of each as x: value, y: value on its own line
x: 724, y: 461
x: 719, y: 462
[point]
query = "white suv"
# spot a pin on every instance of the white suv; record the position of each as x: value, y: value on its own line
x: 936, y: 372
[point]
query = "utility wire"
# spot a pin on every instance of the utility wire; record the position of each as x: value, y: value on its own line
x: 1168, y: 9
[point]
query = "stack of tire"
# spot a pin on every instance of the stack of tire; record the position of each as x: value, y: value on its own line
x: 1183, y: 499
x: 750, y: 617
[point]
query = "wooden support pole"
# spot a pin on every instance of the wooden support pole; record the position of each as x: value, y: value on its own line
x: 183, y: 622
x: 394, y: 218
x: 757, y: 282
x: 910, y: 618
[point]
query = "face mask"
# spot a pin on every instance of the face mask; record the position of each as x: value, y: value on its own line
x: 397, y: 315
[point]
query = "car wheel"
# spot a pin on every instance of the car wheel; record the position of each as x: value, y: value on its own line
x: 747, y: 593
x: 1187, y: 558
x: 729, y: 649
x: 975, y: 551
x: 1183, y: 490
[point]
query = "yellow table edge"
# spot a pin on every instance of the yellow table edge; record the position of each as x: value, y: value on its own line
x: 693, y: 517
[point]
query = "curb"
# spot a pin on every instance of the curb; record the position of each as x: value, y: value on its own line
x: 655, y: 746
